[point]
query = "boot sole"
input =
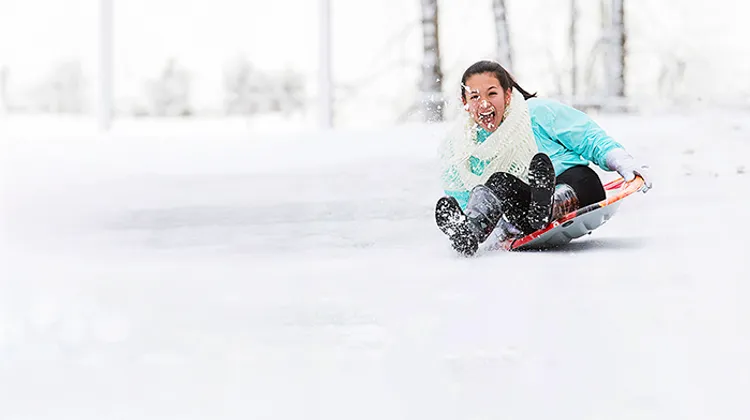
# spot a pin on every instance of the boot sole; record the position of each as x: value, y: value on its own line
x: 453, y: 223
x: 542, y: 184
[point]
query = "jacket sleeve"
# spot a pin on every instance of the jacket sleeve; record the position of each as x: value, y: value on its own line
x: 576, y: 131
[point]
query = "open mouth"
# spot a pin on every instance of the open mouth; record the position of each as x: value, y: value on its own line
x: 487, y: 118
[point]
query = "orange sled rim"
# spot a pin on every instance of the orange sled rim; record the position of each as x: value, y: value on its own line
x: 617, y: 190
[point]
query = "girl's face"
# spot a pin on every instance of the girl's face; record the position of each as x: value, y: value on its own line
x: 485, y: 100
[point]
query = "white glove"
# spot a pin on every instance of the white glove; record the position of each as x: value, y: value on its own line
x: 621, y: 161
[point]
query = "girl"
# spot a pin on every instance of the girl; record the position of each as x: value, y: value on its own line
x: 518, y: 162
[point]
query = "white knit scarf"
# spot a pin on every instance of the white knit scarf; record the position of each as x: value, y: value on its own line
x: 508, y: 149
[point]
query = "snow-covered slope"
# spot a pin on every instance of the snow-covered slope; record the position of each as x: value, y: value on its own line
x: 302, y: 276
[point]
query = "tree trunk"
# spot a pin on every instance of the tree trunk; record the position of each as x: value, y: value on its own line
x: 573, y: 49
x: 432, y: 76
x: 325, y: 76
x: 4, y: 102
x: 106, y: 96
x: 617, y: 51
x: 502, y: 34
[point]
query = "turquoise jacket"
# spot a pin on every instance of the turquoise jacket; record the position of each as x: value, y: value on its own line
x: 568, y: 136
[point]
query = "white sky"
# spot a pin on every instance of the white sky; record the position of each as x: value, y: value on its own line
x: 376, y: 46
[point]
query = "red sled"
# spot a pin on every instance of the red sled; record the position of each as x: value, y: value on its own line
x: 577, y: 223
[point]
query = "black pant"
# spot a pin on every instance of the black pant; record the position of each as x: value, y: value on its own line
x: 582, y: 179
x: 585, y: 182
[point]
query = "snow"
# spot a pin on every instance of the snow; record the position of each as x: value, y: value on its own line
x: 288, y: 276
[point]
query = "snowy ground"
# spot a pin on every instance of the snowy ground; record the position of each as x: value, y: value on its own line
x: 302, y: 277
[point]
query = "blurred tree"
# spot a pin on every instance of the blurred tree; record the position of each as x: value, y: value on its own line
x: 4, y: 77
x: 572, y: 39
x: 249, y: 91
x: 292, y: 90
x: 613, y: 49
x: 432, y: 76
x: 69, y: 85
x: 596, y: 69
x: 617, y: 50
x: 502, y: 34
x: 239, y: 88
x: 63, y: 92
x: 169, y: 94
x: 604, y: 73
x: 671, y: 76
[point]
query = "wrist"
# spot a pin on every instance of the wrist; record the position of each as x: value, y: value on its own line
x: 618, y: 158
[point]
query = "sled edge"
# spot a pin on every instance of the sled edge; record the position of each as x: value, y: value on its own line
x: 630, y: 187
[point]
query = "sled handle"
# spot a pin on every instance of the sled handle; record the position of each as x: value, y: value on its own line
x: 638, y: 182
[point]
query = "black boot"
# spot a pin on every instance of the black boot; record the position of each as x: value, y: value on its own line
x: 467, y: 230
x: 484, y: 210
x: 453, y: 222
x: 542, y: 183
x: 564, y: 201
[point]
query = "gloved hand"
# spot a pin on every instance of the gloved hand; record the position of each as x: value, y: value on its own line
x: 621, y: 161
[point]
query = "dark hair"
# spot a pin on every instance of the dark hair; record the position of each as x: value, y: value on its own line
x: 502, y: 75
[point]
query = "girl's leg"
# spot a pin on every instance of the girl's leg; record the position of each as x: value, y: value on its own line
x: 585, y: 183
x: 527, y: 206
x: 576, y: 187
